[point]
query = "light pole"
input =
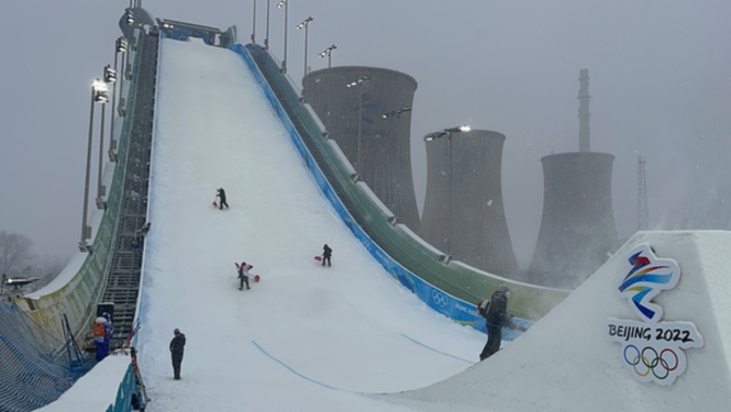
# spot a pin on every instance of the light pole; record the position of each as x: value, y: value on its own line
x: 110, y: 76
x: 266, y: 39
x: 129, y: 15
x: 397, y: 112
x: 119, y: 47
x: 305, y: 24
x: 359, y: 82
x: 253, y: 25
x: 395, y: 165
x: 99, y: 93
x: 448, y: 133
x: 284, y: 4
x: 327, y: 52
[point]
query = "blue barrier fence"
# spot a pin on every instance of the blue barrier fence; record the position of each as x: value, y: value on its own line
x: 123, y: 401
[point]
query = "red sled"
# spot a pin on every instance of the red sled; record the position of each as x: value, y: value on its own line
x: 257, y: 278
x: 215, y: 204
x: 318, y: 258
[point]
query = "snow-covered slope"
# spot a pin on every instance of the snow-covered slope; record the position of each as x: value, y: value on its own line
x: 306, y: 337
x: 568, y: 362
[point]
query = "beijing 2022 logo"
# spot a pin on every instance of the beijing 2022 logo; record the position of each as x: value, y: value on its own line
x: 653, y: 351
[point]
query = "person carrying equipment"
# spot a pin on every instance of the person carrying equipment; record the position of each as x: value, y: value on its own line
x: 221, y: 194
x: 326, y: 254
x: 494, y: 312
x: 244, y: 275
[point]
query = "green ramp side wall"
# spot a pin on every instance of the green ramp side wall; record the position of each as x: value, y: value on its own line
x: 78, y: 297
x: 452, y: 288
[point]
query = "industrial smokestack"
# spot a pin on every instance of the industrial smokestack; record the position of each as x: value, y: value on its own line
x: 577, y: 232
x: 584, y: 97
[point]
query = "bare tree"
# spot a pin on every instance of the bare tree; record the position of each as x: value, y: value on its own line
x: 46, y: 269
x: 15, y: 252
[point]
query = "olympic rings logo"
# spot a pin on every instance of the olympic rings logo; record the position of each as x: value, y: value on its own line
x: 657, y: 363
x: 439, y: 298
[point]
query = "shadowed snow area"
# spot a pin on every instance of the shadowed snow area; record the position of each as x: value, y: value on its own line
x: 306, y: 337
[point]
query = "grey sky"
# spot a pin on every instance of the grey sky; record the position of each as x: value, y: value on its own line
x: 660, y: 84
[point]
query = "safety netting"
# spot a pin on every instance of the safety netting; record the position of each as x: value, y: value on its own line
x: 35, y: 367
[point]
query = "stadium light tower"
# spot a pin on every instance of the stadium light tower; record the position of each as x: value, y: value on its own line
x: 284, y: 4
x: 99, y: 94
x: 448, y: 133
x: 266, y: 38
x: 120, y: 46
x: 253, y: 25
x: 327, y: 52
x: 305, y: 25
x: 359, y: 83
x: 110, y: 76
x: 397, y: 112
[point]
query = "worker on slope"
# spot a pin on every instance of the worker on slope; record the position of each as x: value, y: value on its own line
x: 221, y: 194
x: 326, y: 254
x: 244, y: 275
x: 177, y: 346
x: 496, y: 317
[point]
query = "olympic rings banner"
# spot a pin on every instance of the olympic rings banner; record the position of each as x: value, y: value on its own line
x: 652, y: 351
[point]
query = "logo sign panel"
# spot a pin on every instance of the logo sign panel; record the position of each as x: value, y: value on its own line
x: 652, y: 350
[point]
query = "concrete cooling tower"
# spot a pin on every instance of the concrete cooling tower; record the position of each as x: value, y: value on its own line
x: 463, y: 210
x: 352, y: 102
x: 577, y: 232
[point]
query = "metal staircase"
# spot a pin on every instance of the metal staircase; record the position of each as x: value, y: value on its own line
x: 123, y: 282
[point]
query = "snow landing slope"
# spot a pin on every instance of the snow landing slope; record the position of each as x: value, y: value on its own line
x: 567, y: 361
x: 305, y: 338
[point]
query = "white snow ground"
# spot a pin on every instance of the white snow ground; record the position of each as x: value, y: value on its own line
x: 308, y: 338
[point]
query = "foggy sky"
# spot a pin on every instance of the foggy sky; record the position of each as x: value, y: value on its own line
x: 660, y: 85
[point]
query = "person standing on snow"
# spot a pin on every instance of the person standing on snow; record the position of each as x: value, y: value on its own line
x: 326, y: 254
x: 176, y: 351
x: 102, y: 335
x: 494, y: 312
x: 221, y: 194
x: 244, y: 275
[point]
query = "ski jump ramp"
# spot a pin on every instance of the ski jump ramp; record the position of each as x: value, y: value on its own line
x: 312, y: 338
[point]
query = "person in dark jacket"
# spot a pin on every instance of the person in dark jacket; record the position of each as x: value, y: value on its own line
x: 176, y: 351
x: 496, y: 317
x: 222, y: 198
x: 326, y: 254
